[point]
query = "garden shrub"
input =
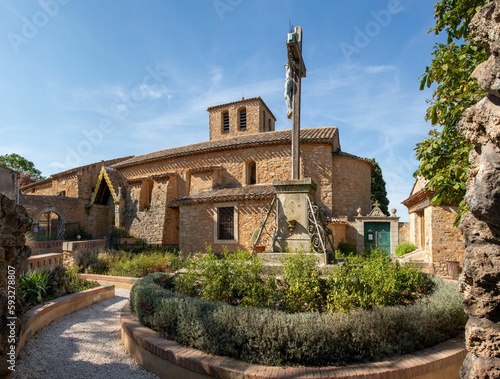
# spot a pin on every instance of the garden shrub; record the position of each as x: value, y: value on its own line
x: 34, y: 286
x: 404, y: 248
x: 38, y: 286
x: 303, y: 289
x: 346, y: 249
x: 272, y: 337
x: 137, y: 265
x: 373, y: 281
x: 236, y: 278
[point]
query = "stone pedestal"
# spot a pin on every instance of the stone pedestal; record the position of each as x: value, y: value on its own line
x: 293, y: 214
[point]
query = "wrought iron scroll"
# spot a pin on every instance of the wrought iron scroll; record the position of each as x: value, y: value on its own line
x: 321, y: 236
x: 265, y: 233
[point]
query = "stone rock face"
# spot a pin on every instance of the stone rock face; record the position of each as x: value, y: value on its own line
x: 480, y: 281
x: 14, y: 223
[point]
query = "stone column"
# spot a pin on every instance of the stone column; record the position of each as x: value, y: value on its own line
x: 480, y: 281
x: 293, y: 220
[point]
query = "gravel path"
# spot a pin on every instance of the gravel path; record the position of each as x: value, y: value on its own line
x: 83, y: 345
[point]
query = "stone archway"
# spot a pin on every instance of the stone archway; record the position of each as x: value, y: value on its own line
x: 49, y: 222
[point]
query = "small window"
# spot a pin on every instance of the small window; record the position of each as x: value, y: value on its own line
x: 269, y: 125
x: 225, y: 223
x: 225, y: 122
x: 243, y: 119
x: 145, y: 196
x: 251, y: 173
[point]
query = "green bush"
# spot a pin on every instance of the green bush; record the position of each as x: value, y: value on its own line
x: 137, y: 265
x: 373, y: 281
x: 302, y: 285
x: 404, y: 248
x: 236, y: 278
x: 39, y: 286
x: 271, y: 337
x: 346, y: 249
x: 34, y: 286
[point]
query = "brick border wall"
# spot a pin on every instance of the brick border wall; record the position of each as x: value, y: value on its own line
x: 169, y: 360
x: 117, y: 281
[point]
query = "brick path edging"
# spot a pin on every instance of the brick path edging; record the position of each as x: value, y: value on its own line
x: 168, y: 360
x: 42, y: 315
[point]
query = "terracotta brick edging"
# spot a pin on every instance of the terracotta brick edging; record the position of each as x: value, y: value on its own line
x: 118, y: 281
x: 169, y: 360
x: 42, y: 315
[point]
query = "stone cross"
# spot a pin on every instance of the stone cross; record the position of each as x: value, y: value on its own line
x: 296, y: 70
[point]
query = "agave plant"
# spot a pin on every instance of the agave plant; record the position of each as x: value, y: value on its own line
x: 34, y: 286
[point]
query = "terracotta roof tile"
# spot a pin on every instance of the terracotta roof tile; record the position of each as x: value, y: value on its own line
x: 327, y: 135
x: 253, y: 192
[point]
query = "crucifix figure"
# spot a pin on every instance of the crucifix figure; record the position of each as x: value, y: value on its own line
x: 295, y: 71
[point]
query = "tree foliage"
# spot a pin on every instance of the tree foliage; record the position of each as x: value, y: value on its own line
x: 444, y: 153
x: 379, y: 192
x: 26, y: 168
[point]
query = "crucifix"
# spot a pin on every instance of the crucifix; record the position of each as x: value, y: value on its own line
x: 295, y: 71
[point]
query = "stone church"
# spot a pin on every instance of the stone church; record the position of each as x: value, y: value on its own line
x: 210, y: 193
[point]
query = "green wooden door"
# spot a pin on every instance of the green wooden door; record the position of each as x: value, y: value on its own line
x: 378, y: 235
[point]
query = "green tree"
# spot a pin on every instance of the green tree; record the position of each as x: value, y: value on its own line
x: 379, y: 193
x: 444, y: 153
x: 26, y: 168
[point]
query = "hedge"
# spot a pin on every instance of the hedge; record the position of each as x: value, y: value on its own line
x: 272, y: 337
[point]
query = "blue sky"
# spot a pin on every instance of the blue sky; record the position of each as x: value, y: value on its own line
x: 90, y: 80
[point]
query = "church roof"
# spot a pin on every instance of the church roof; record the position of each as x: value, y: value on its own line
x: 252, y: 192
x: 326, y: 135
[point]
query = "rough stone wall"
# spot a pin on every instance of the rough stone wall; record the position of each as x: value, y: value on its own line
x: 14, y: 223
x: 351, y: 181
x: 8, y: 179
x: 73, y: 210
x: 197, y: 226
x: 258, y: 119
x: 447, y: 242
x: 480, y: 280
x: 99, y: 221
x: 404, y: 231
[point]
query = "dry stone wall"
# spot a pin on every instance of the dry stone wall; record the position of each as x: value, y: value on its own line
x: 14, y: 223
x: 480, y: 282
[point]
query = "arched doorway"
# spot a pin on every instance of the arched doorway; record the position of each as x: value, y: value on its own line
x: 49, y: 224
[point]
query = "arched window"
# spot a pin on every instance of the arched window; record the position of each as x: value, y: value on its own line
x: 251, y: 172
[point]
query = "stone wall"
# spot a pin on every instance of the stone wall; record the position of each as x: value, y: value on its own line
x: 14, y: 223
x: 404, y: 232
x: 343, y: 181
x: 447, y: 243
x: 351, y: 181
x: 45, y: 247
x: 479, y: 283
x: 197, y: 226
x: 69, y: 209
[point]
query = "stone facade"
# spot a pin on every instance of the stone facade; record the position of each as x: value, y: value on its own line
x: 432, y: 230
x: 67, y: 195
x: 480, y: 280
x: 175, y: 196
